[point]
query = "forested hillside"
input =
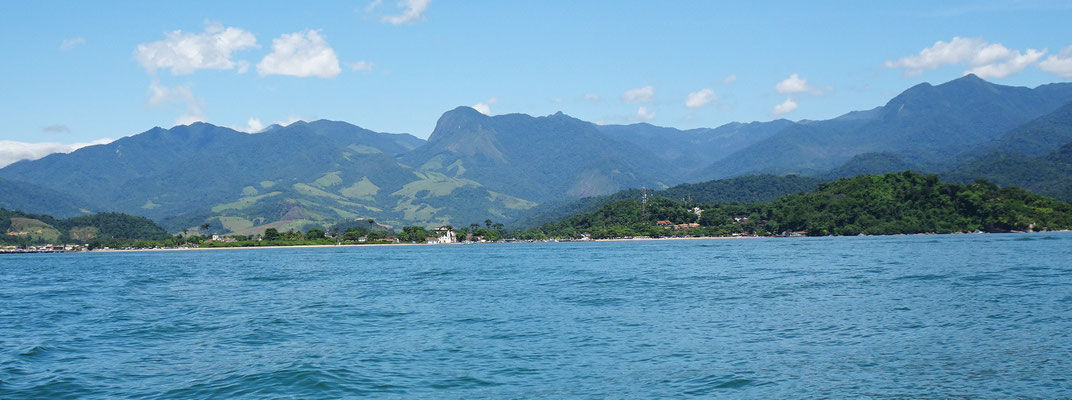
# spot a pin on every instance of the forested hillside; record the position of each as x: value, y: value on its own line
x: 894, y: 203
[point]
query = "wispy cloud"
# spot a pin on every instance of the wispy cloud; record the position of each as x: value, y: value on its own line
x: 56, y: 128
x: 71, y: 43
x: 412, y: 11
x: 12, y: 151
x: 362, y: 66
x: 700, y: 98
x: 160, y: 95
x: 639, y: 95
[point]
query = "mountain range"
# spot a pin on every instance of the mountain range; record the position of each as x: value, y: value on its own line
x: 475, y: 167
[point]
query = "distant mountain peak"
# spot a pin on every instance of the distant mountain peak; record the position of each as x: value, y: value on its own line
x: 970, y: 77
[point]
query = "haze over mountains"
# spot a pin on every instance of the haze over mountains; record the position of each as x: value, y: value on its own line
x: 475, y: 166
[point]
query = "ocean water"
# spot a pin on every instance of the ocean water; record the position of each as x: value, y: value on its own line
x: 960, y: 316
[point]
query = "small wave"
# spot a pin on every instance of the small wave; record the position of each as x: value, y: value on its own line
x: 302, y: 382
x: 923, y: 277
x: 34, y: 351
x: 463, y: 382
x: 712, y: 383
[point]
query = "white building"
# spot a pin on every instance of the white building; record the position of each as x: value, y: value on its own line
x: 444, y: 234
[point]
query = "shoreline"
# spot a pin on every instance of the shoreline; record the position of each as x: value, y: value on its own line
x: 634, y: 239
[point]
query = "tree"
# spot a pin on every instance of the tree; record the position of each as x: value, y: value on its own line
x: 487, y: 223
x: 314, y: 234
x: 204, y: 227
x: 413, y: 234
x: 271, y: 234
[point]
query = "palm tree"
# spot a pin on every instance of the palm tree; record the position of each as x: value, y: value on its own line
x: 371, y: 222
x: 487, y: 223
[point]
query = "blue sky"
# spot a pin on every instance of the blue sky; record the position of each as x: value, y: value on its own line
x: 78, y: 72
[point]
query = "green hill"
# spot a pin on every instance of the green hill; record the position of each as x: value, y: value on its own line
x: 1049, y: 175
x: 869, y: 164
x: 894, y: 203
x: 23, y: 228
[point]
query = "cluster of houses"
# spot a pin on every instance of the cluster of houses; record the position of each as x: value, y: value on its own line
x: 46, y: 248
x: 671, y: 225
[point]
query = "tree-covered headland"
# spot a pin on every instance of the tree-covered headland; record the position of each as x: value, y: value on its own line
x: 894, y: 203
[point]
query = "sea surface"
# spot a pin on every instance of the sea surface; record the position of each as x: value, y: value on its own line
x: 953, y: 316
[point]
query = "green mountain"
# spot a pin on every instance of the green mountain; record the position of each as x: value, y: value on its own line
x: 32, y: 198
x: 925, y: 124
x: 1035, y: 138
x: 475, y: 167
x: 292, y: 177
x: 895, y: 203
x: 537, y: 158
x: 1049, y: 175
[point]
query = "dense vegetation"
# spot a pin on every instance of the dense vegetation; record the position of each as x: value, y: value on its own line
x: 20, y: 228
x: 739, y: 190
x: 870, y: 163
x: 1049, y: 174
x: 895, y: 203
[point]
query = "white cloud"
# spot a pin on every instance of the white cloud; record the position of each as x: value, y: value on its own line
x: 793, y: 84
x: 12, y: 151
x: 700, y: 98
x: 643, y: 114
x: 1060, y: 64
x: 372, y: 5
x: 729, y: 79
x: 71, y: 43
x: 185, y: 53
x: 1015, y: 64
x: 413, y: 11
x: 362, y: 66
x: 993, y: 60
x: 592, y: 97
x: 254, y: 125
x: 160, y: 95
x: 639, y: 95
x: 301, y: 54
x: 484, y: 107
x: 786, y: 107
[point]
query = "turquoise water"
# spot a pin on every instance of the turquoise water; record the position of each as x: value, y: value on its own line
x: 969, y: 316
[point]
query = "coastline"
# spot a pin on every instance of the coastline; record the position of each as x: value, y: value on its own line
x: 634, y: 239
